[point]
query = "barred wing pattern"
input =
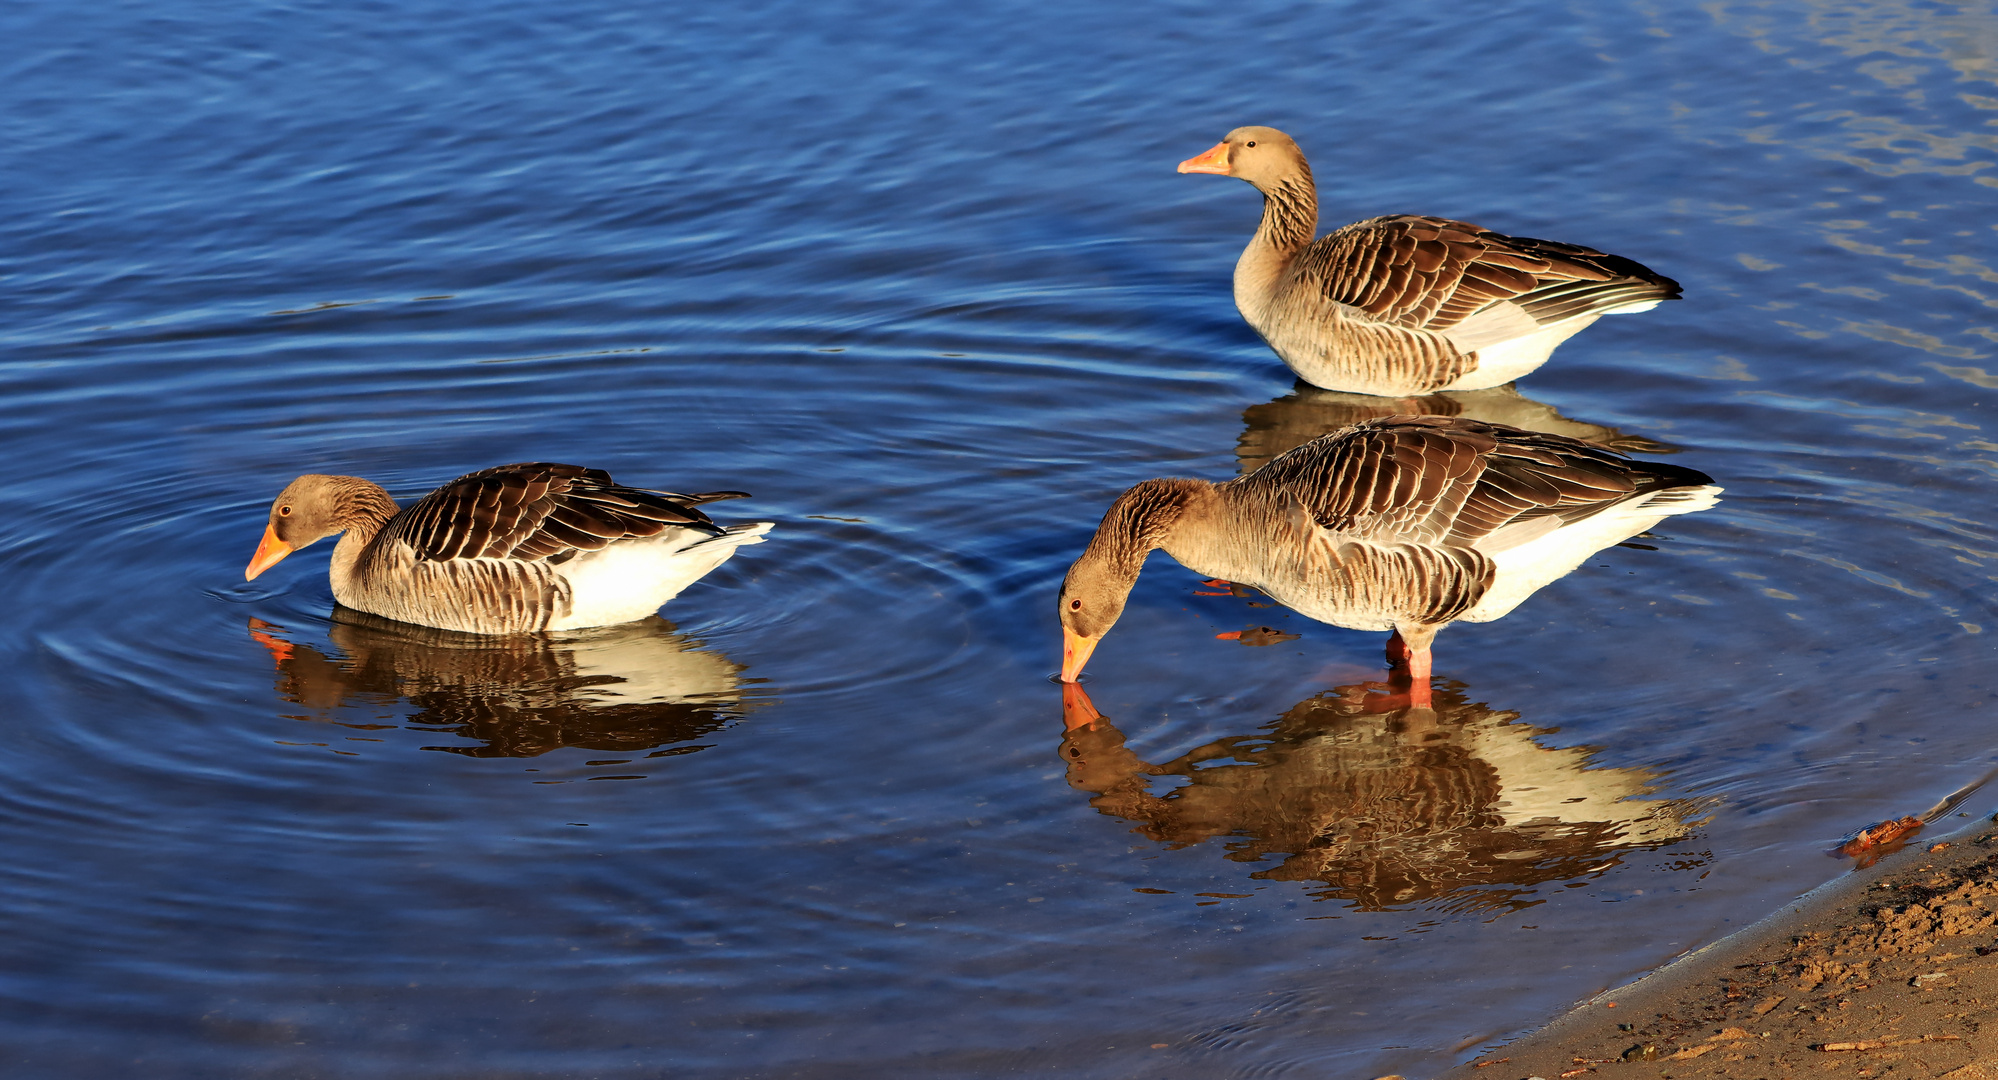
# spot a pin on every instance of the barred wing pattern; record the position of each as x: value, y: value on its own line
x: 1453, y: 481
x: 1431, y: 273
x: 1404, y: 516
x: 538, y: 510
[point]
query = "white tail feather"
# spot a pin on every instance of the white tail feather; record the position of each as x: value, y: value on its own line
x: 631, y: 579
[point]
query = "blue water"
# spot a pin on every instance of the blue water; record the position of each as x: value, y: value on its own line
x: 923, y: 280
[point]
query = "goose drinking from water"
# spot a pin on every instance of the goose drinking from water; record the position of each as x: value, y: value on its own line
x: 1405, y: 523
x: 512, y: 549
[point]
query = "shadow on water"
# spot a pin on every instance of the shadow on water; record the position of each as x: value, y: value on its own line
x: 1456, y: 806
x: 1308, y: 412
x: 623, y: 689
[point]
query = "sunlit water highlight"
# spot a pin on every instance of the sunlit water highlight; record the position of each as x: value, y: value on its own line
x: 923, y: 280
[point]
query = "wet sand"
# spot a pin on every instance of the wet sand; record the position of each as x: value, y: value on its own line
x: 1890, y: 971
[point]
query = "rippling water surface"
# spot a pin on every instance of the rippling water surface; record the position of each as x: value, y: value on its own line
x: 924, y: 281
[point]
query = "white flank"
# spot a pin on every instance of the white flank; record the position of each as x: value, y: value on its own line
x: 1524, y: 569
x: 1494, y: 324
x: 631, y: 579
x: 1508, y: 360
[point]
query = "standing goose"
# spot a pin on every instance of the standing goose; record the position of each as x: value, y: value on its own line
x: 1405, y: 523
x: 1405, y: 305
x: 512, y: 549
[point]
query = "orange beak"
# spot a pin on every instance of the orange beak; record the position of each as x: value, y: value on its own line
x: 269, y: 554
x: 1075, y: 650
x: 1214, y: 161
x: 1076, y: 708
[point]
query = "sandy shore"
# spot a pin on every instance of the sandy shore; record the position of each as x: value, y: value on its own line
x: 1888, y: 972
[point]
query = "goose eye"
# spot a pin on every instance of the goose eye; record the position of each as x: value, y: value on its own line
x: 1252, y: 142
x: 1075, y: 605
x: 284, y: 511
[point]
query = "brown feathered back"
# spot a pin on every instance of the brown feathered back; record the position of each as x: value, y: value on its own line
x: 1432, y: 273
x: 534, y: 510
x: 1451, y: 480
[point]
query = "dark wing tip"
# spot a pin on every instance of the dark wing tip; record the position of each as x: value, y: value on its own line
x: 1664, y: 474
x: 1612, y: 266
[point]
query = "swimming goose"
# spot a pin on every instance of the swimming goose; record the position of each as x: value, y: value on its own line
x: 512, y: 549
x: 1404, y: 305
x: 1405, y: 523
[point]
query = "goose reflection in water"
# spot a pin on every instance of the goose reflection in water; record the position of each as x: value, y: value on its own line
x: 1388, y: 807
x: 623, y: 689
x: 1308, y: 412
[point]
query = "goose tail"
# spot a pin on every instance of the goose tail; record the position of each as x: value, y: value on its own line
x: 738, y: 535
x: 1684, y: 500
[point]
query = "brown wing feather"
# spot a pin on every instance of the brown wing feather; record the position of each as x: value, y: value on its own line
x: 533, y: 510
x: 1432, y: 273
x: 1399, y: 478
x: 1450, y: 480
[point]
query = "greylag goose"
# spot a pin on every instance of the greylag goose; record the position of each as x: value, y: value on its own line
x: 512, y: 549
x: 1405, y: 523
x: 1404, y: 305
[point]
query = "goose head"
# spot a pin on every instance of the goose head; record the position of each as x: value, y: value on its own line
x: 309, y: 509
x: 1092, y: 599
x: 1093, y: 594
x: 1263, y: 156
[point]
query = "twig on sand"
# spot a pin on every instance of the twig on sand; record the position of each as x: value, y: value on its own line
x: 1880, y: 1044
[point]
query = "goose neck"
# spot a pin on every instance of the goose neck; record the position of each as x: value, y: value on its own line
x: 1290, y: 218
x: 360, y: 509
x: 1154, y: 514
x: 1290, y: 212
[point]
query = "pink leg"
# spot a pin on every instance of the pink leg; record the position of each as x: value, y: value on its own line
x: 1418, y: 678
x: 1409, y: 653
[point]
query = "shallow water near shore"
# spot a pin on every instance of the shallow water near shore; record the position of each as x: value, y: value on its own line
x: 925, y: 283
